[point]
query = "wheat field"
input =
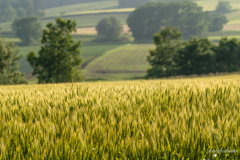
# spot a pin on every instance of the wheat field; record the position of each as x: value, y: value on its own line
x: 144, y: 119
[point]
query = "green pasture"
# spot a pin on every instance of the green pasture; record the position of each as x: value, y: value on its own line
x: 92, y: 6
x: 14, y: 40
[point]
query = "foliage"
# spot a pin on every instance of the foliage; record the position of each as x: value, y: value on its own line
x: 223, y: 6
x: 228, y: 55
x: 27, y: 29
x: 196, y: 57
x: 167, y: 42
x: 110, y: 28
x: 188, y: 16
x: 59, y: 57
x: 180, y: 119
x: 12, y: 9
x: 9, y: 73
x: 217, y: 23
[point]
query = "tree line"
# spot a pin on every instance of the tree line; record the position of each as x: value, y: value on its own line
x: 188, y: 16
x: 173, y: 57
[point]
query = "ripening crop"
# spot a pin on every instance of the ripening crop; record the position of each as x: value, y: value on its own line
x: 155, y: 119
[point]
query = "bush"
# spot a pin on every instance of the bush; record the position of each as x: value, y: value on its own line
x: 109, y: 28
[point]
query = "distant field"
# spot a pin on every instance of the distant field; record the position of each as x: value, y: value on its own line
x: 128, y: 59
x: 92, y: 6
x: 11, y: 40
x: 217, y: 38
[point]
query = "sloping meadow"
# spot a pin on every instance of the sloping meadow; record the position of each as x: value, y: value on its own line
x: 155, y: 119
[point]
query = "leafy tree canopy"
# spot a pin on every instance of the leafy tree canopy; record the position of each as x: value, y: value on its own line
x: 197, y: 56
x: 27, y: 29
x: 228, y: 55
x: 59, y: 57
x: 9, y: 73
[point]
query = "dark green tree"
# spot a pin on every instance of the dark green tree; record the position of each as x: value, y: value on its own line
x: 197, y: 56
x: 151, y: 17
x: 9, y: 73
x: 223, y: 6
x: 109, y: 28
x: 59, y: 57
x: 228, y: 55
x: 27, y: 29
x: 217, y: 23
x: 167, y: 42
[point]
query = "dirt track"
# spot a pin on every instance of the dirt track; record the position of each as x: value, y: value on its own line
x: 92, y: 30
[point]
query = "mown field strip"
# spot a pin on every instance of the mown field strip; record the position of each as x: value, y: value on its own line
x: 155, y: 119
x: 92, y: 30
x: 219, y: 37
x: 122, y: 10
x: 57, y: 11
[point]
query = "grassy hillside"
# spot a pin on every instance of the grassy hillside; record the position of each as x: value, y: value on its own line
x: 156, y: 119
x: 128, y: 59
